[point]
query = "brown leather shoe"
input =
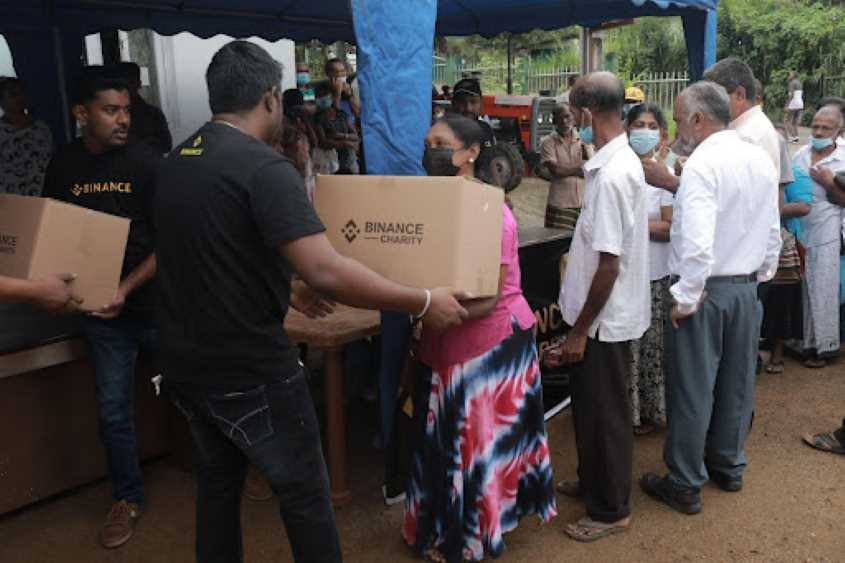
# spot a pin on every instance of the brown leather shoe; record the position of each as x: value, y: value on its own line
x: 120, y: 524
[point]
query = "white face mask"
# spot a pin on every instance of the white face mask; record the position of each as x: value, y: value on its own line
x: 643, y: 141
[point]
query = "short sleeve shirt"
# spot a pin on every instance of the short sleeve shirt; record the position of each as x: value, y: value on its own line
x: 226, y: 203
x: 614, y: 220
x: 564, y: 193
x: 118, y: 182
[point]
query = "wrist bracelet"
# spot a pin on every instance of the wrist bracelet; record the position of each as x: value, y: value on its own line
x: 427, y: 304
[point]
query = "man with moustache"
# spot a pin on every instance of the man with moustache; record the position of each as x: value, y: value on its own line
x: 102, y: 171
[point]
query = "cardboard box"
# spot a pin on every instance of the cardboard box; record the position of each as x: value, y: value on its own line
x: 41, y: 236
x: 418, y: 231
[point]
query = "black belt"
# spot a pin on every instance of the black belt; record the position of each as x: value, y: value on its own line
x: 742, y: 278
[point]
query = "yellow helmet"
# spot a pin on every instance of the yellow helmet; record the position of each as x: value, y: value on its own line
x: 635, y: 95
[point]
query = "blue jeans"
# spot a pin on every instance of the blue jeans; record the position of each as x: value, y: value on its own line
x: 395, y: 335
x: 272, y: 426
x: 113, y: 347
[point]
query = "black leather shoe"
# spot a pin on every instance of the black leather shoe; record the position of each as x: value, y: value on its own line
x: 686, y: 501
x: 726, y: 482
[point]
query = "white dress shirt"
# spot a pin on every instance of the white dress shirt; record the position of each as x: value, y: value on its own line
x: 614, y: 220
x: 725, y: 220
x: 823, y: 223
x: 753, y: 126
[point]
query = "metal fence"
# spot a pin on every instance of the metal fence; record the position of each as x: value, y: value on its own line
x: 532, y: 77
x: 661, y: 88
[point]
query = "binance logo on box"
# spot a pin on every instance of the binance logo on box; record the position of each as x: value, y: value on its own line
x: 417, y: 230
x: 385, y: 232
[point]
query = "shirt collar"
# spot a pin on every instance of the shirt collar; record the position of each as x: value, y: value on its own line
x: 747, y: 117
x: 838, y: 154
x: 573, y: 135
x: 604, y: 154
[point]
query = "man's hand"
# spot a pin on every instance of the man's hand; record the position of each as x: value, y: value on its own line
x: 53, y: 293
x: 310, y: 303
x: 656, y: 174
x: 445, y: 310
x: 677, y: 316
x: 113, y: 309
x: 823, y: 176
x: 572, y: 350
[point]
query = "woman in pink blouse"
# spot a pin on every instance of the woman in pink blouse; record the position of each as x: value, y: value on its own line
x: 480, y: 457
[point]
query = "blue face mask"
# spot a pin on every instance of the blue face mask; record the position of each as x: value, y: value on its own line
x: 302, y: 78
x: 325, y: 102
x: 819, y: 144
x: 586, y: 135
x: 643, y: 141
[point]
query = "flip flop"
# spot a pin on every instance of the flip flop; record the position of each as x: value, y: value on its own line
x: 825, y: 442
x: 587, y: 530
x: 774, y: 367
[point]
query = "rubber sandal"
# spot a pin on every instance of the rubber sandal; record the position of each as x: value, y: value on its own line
x: 825, y: 442
x: 587, y: 530
x: 774, y: 368
x: 815, y: 363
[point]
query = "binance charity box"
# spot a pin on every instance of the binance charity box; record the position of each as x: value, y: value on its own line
x: 41, y: 236
x: 419, y: 231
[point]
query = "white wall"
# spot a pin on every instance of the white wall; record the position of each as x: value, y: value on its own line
x: 181, y: 61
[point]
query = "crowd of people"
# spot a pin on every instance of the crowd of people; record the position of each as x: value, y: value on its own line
x: 685, y: 252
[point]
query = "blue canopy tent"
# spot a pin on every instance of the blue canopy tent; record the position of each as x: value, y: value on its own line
x: 394, y: 40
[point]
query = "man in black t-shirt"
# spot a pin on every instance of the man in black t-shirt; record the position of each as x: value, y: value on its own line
x: 237, y: 224
x: 102, y: 171
x: 466, y: 100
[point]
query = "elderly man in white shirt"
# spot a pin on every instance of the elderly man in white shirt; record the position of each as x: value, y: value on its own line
x: 821, y: 233
x: 605, y: 298
x: 747, y: 118
x: 725, y: 238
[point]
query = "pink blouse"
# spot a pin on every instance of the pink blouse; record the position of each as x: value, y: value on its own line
x: 473, y: 338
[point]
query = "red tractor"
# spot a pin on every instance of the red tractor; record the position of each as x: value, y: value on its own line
x: 520, y: 123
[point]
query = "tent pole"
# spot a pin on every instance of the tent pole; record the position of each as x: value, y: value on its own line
x: 510, y: 65
x: 60, y: 74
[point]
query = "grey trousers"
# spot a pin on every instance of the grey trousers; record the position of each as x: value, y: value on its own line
x: 710, y: 372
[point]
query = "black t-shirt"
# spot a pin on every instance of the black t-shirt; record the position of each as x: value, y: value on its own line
x: 226, y: 202
x: 488, y: 152
x: 119, y: 182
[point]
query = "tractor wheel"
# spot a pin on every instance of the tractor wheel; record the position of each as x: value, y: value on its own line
x: 509, y: 165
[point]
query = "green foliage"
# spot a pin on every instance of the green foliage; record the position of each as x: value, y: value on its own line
x: 776, y: 36
x: 653, y: 45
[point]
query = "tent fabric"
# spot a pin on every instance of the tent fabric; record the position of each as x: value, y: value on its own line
x: 395, y: 91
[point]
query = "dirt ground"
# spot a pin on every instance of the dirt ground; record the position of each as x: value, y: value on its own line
x: 791, y: 509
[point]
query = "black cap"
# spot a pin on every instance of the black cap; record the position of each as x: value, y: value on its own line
x: 467, y: 87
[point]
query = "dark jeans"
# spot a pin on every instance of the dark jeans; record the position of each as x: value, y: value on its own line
x: 113, y: 346
x: 273, y: 427
x: 601, y: 411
